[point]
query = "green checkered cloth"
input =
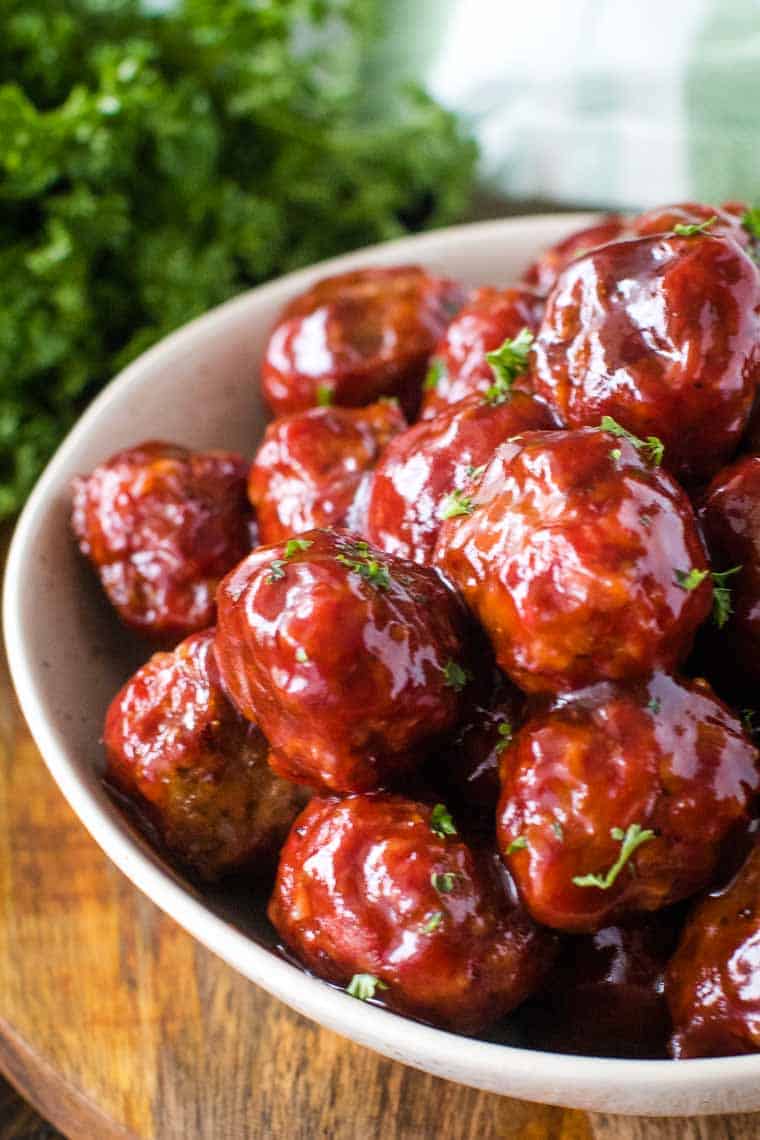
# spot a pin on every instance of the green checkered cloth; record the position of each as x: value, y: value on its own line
x: 604, y: 102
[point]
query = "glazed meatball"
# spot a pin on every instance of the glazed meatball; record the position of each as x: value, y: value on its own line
x: 459, y: 366
x: 379, y: 892
x: 308, y: 470
x: 622, y: 799
x: 350, y: 660
x: 663, y: 334
x: 580, y: 558
x: 542, y: 274
x: 711, y: 984
x: 731, y: 521
x: 162, y: 526
x: 179, y: 751
x: 355, y: 337
x: 605, y: 996
x: 424, y: 474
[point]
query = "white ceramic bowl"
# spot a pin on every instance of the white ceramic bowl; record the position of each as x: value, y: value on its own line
x: 68, y: 655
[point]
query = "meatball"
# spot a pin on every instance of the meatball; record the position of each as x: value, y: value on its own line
x: 543, y: 273
x: 179, y: 751
x: 623, y: 799
x: 459, y: 366
x: 379, y: 894
x: 307, y: 472
x: 605, y: 996
x: 711, y: 983
x: 663, y: 334
x: 162, y: 526
x: 580, y: 558
x: 425, y: 472
x: 352, y: 661
x: 352, y: 338
x: 731, y: 521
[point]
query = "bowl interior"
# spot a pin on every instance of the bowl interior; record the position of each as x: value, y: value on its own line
x: 68, y: 656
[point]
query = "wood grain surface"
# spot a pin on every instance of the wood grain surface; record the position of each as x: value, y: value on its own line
x: 115, y: 1024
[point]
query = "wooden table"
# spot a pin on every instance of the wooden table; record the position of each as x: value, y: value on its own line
x: 115, y: 1024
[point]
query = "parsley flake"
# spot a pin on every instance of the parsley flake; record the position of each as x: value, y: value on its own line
x: 433, y: 375
x: 301, y: 655
x: 557, y: 829
x: 747, y: 719
x: 374, y: 572
x: 694, y: 229
x: 276, y: 571
x: 363, y: 986
x: 629, y: 840
x: 456, y: 676
x: 722, y: 609
x: 751, y: 221
x: 444, y: 881
x: 518, y: 844
x: 476, y: 472
x: 654, y: 704
x: 505, y: 733
x: 690, y: 579
x: 653, y: 448
x: 325, y: 397
x: 441, y: 822
x: 294, y: 545
x: 455, y: 504
x: 507, y: 362
x: 432, y: 922
x: 616, y: 455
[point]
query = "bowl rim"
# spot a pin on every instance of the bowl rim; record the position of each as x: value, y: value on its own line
x: 553, y: 1078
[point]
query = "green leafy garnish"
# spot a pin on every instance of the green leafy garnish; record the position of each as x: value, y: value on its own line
x: 694, y: 229
x: 374, y: 572
x: 455, y: 504
x: 630, y: 840
x: 476, y: 472
x: 518, y: 844
x: 444, y: 881
x: 456, y: 676
x: 654, y: 704
x: 616, y: 455
x: 433, y: 374
x: 441, y: 822
x: 507, y: 362
x: 276, y: 571
x: 751, y: 221
x: 747, y: 718
x: 159, y: 157
x: 690, y: 579
x: 432, y: 922
x: 505, y: 733
x: 325, y: 396
x: 722, y: 595
x: 301, y: 655
x: 294, y: 545
x: 652, y: 447
x: 363, y: 986
x: 557, y: 829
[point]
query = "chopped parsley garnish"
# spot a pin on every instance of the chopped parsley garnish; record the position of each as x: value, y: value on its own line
x: 751, y: 221
x: 363, y: 986
x: 505, y: 734
x: 455, y: 504
x: 722, y: 595
x: 294, y: 545
x: 325, y: 396
x: 654, y: 704
x: 645, y: 519
x: 444, y: 881
x: 301, y: 655
x: 690, y: 579
x: 616, y: 455
x: 441, y: 822
x: 630, y: 840
x: 373, y: 572
x: 432, y: 922
x: 652, y: 447
x: 507, y: 362
x: 276, y: 571
x: 456, y: 676
x: 747, y: 718
x: 694, y: 229
x: 433, y: 375
x: 557, y: 829
x: 476, y: 472
x: 518, y: 844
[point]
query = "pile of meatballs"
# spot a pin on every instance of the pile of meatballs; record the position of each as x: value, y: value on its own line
x: 466, y: 660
